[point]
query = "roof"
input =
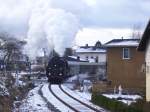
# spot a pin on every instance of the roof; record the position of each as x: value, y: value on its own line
x: 97, y: 48
x: 75, y: 59
x: 145, y: 38
x: 123, y: 43
x: 90, y: 50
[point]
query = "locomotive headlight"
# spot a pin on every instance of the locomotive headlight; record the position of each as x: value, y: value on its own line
x: 60, y: 74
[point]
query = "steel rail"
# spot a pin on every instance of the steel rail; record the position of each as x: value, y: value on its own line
x: 71, y: 107
x: 50, y: 106
x: 90, y: 107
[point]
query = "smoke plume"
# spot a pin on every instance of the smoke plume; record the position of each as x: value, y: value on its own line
x: 48, y: 24
x: 51, y: 29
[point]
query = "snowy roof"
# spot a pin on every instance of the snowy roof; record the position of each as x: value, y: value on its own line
x: 75, y: 58
x: 90, y: 50
x: 123, y: 42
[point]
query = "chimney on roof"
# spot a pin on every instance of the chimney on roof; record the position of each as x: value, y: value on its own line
x: 86, y: 45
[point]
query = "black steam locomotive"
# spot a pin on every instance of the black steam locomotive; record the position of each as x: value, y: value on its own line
x: 57, y: 70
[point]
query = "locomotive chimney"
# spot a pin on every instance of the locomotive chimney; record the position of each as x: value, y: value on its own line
x: 78, y: 58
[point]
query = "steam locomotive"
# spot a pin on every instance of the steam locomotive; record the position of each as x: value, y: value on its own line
x: 57, y: 70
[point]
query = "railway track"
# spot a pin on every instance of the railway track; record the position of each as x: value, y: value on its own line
x: 49, y: 105
x: 73, y: 103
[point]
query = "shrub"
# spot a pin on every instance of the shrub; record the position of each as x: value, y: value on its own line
x: 114, y: 105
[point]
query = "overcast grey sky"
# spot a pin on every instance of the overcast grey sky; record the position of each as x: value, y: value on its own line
x: 99, y: 19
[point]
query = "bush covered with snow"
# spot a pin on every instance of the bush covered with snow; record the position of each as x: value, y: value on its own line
x: 114, y: 105
x: 3, y: 90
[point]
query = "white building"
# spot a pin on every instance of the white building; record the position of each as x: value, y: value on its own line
x: 95, y: 53
x: 145, y: 47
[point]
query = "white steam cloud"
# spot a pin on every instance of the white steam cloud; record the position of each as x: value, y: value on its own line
x: 47, y: 24
x: 51, y: 29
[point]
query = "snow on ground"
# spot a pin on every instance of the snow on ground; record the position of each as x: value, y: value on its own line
x: 79, y: 77
x: 71, y: 79
x: 60, y: 106
x: 69, y: 100
x: 3, y: 90
x: 34, y: 102
x: 128, y: 99
x: 84, y: 97
x: 70, y: 85
x: 85, y: 94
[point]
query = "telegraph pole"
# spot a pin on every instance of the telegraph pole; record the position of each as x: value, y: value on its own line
x: 44, y: 51
x: 28, y: 64
x: 16, y: 74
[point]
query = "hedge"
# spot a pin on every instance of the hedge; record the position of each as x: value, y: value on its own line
x: 114, y: 105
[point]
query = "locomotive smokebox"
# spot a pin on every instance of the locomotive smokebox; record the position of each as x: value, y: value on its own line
x: 57, y: 70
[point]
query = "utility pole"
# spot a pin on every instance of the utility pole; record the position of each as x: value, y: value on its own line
x: 16, y: 75
x: 44, y: 51
x: 28, y: 64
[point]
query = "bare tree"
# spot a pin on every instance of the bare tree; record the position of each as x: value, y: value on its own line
x: 11, y: 48
x: 136, y: 34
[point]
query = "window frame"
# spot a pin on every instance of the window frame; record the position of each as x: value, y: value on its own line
x: 123, y: 55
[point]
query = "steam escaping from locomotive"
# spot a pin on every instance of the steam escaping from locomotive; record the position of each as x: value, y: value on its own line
x: 48, y: 24
x: 51, y: 29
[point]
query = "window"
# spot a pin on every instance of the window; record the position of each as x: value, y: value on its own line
x: 96, y: 59
x: 87, y: 57
x: 126, y: 53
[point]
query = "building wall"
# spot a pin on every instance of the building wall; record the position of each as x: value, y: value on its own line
x: 101, y: 56
x: 148, y: 72
x: 128, y: 73
x: 97, y: 70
